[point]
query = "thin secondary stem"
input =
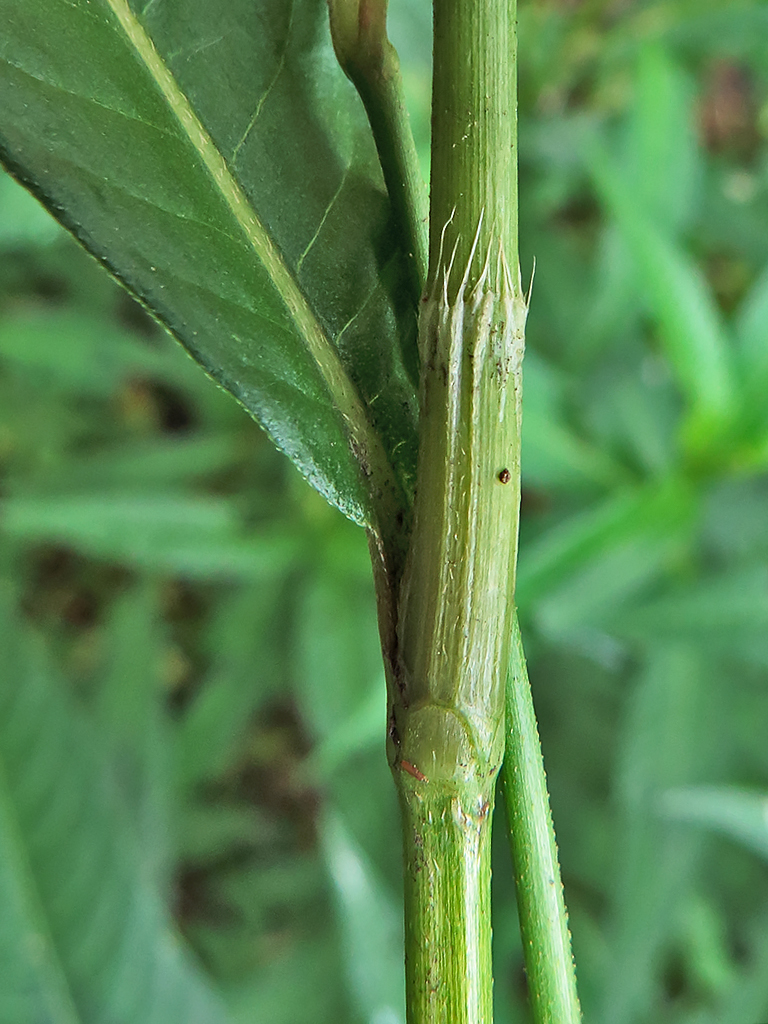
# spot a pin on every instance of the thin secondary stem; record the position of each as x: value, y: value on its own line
x: 541, y: 906
x: 359, y: 32
x: 382, y: 94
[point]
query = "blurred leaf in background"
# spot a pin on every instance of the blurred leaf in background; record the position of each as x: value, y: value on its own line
x: 205, y: 701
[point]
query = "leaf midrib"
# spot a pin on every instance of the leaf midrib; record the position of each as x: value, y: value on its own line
x: 364, y: 441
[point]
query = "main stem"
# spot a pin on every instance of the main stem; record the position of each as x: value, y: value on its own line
x: 456, y: 602
x: 474, y: 133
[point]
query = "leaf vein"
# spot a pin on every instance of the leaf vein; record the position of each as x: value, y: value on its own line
x: 323, y: 219
x: 359, y: 312
x: 270, y: 86
x: 199, y: 48
x: 88, y: 99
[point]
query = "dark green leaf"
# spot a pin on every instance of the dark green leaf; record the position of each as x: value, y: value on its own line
x: 218, y: 162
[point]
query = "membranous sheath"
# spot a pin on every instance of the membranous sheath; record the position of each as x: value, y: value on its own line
x: 457, y: 594
x: 455, y: 616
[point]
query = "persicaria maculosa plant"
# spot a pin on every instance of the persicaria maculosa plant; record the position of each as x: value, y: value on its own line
x: 230, y: 180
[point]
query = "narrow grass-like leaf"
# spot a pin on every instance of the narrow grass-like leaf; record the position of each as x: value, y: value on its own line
x: 129, y: 705
x: 665, y: 739
x: 79, y: 353
x: 243, y: 674
x: 656, y: 512
x: 663, y: 160
x: 727, y: 614
x: 196, y: 537
x: 553, y: 454
x: 155, y: 466
x: 752, y: 334
x: 747, y: 997
x: 371, y: 929
x: 217, y: 161
x: 583, y: 607
x: 679, y: 299
x: 741, y: 815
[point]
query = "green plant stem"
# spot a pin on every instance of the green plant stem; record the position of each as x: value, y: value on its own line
x: 358, y: 29
x: 456, y: 599
x: 541, y: 906
x: 382, y: 95
x: 447, y: 902
x: 474, y: 133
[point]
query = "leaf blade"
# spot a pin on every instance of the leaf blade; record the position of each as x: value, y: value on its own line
x: 162, y: 176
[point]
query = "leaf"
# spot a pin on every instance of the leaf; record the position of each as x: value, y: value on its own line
x: 553, y: 455
x: 724, y: 614
x: 752, y: 335
x: 736, y: 813
x: 615, y: 306
x: 681, y: 302
x: 657, y: 514
x: 84, y: 938
x: 341, y: 694
x: 155, y: 465
x: 371, y: 928
x: 219, y: 164
x: 582, y: 609
x: 296, y: 986
x: 668, y: 734
x: 663, y: 160
x: 338, y: 659
x: 735, y: 29
x: 200, y: 538
x: 129, y: 706
x: 272, y: 904
x: 735, y: 524
x: 359, y: 730
x: 747, y: 997
x: 78, y: 353
x: 243, y: 675
x: 210, y: 832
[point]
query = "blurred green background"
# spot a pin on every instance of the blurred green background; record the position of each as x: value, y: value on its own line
x: 188, y: 649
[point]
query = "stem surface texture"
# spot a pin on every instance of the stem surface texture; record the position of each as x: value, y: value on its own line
x: 541, y: 905
x: 456, y: 599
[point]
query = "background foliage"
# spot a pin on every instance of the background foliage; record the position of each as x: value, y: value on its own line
x: 191, y: 700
